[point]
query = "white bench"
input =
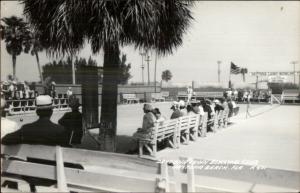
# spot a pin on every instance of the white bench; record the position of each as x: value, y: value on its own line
x: 172, y: 131
x: 101, y: 171
x: 188, y: 128
x: 166, y: 130
x: 203, y: 125
x: 130, y: 98
x: 157, y: 97
x: 290, y: 95
x: 200, y: 175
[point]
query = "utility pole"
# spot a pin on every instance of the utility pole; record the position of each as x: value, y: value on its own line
x: 294, y: 63
x: 256, y: 84
x: 73, y: 70
x: 155, y: 72
x: 148, y: 60
x: 143, y: 54
x: 219, y: 71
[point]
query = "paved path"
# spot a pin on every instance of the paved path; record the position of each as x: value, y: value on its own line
x: 271, y: 138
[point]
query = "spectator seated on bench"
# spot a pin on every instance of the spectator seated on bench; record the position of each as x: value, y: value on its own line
x: 148, y: 123
x: 130, y: 98
x: 169, y: 131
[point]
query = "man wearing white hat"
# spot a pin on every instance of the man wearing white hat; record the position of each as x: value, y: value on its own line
x: 7, y: 126
x: 42, y: 131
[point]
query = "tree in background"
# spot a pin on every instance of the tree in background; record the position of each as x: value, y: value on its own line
x: 36, y: 47
x: 16, y: 34
x: 124, y: 70
x: 152, y: 24
x: 61, y: 71
x: 166, y: 75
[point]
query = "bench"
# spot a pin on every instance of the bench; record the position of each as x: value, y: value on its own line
x: 165, y: 95
x: 220, y: 120
x: 130, y: 98
x: 201, y: 175
x: 157, y: 97
x: 166, y: 130
x: 290, y: 95
x: 172, y: 131
x: 98, y: 171
x: 182, y: 95
x: 211, y: 95
x: 202, y: 128
x: 188, y: 128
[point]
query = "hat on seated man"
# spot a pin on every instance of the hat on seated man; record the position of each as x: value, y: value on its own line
x: 42, y: 131
x: 44, y: 102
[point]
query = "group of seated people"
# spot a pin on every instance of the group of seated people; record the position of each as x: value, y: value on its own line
x: 180, y: 109
x: 13, y: 90
x: 67, y: 132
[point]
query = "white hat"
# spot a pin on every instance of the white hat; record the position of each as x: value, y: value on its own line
x: 175, y: 104
x: 181, y: 103
x: 3, y: 102
x: 217, y: 101
x: 44, y: 102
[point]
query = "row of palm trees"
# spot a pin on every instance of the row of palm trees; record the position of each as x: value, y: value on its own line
x: 20, y: 38
x: 65, y: 26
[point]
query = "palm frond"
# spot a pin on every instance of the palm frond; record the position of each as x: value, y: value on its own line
x: 148, y: 24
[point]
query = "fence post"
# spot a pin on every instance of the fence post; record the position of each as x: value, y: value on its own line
x: 60, y: 171
x: 190, y: 176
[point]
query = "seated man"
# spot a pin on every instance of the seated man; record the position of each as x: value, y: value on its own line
x: 72, y: 122
x: 42, y: 131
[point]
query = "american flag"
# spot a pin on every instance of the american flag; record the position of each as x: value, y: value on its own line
x: 234, y: 69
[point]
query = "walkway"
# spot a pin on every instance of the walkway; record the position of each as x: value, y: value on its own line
x: 271, y: 139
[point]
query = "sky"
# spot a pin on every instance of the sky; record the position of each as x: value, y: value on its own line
x: 260, y: 36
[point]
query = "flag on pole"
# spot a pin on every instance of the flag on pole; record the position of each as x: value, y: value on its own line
x: 234, y: 69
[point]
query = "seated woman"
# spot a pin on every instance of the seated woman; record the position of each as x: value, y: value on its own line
x: 148, y: 123
x: 157, y: 114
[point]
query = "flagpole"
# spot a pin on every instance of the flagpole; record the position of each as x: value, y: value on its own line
x: 229, y: 83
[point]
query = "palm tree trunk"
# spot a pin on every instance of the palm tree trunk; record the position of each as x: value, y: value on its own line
x: 90, y: 103
x: 14, y: 60
x: 39, y: 66
x: 109, y: 96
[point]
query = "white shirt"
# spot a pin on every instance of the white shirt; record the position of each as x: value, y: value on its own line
x: 233, y: 104
x: 201, y: 111
x: 7, y: 126
x: 69, y: 92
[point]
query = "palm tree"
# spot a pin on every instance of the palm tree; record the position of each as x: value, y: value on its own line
x: 166, y: 76
x: 16, y: 34
x: 36, y: 47
x: 108, y: 25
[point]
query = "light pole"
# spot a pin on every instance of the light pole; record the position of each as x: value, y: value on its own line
x: 294, y: 63
x: 219, y: 70
x: 155, y: 72
x: 148, y: 60
x: 143, y: 54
